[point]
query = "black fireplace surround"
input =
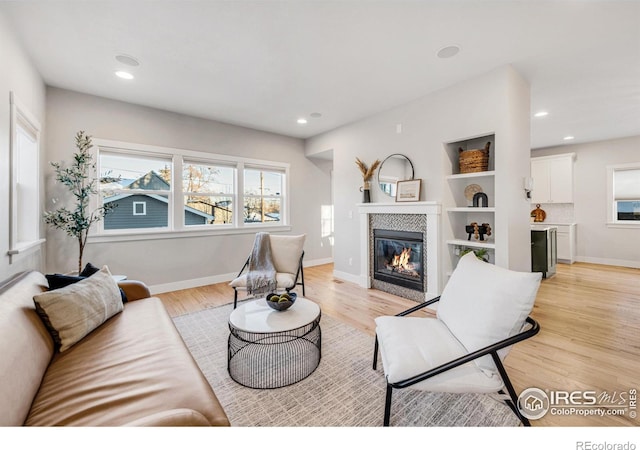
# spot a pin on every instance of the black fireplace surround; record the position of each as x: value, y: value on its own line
x: 398, y: 258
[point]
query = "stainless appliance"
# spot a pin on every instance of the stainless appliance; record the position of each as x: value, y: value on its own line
x: 544, y: 253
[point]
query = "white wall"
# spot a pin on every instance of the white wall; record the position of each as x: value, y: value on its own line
x: 17, y: 75
x: 497, y: 102
x: 171, y: 263
x: 596, y: 242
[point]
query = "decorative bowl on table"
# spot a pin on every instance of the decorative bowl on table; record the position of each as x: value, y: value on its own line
x: 281, y: 302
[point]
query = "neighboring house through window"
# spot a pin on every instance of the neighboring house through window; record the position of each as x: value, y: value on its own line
x: 624, y: 194
x: 25, y: 205
x: 163, y: 190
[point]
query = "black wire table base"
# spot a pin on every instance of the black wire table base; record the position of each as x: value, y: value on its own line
x: 273, y: 360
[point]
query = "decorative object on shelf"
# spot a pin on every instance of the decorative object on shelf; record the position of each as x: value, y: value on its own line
x: 281, y: 302
x: 82, y: 185
x: 480, y: 196
x: 394, y: 168
x: 367, y: 174
x: 478, y: 231
x: 408, y: 190
x: 475, y: 160
x: 538, y: 215
x: 481, y: 253
x: 472, y: 190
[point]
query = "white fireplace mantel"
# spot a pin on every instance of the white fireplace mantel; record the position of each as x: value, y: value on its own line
x: 432, y: 211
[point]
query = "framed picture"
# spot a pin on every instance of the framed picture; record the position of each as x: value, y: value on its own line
x: 408, y: 191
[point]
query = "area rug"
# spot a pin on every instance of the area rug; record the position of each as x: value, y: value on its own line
x: 344, y: 391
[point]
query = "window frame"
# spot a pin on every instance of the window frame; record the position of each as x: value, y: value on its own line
x: 216, y: 161
x: 176, y: 224
x: 283, y: 203
x: 20, y: 117
x: 144, y: 208
x: 612, y: 216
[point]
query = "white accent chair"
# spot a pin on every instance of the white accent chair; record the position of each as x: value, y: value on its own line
x: 287, y: 253
x: 483, y: 310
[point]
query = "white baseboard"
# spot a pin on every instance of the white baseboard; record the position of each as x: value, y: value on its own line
x: 317, y: 262
x: 345, y: 276
x: 188, y: 284
x: 214, y: 279
x: 609, y: 262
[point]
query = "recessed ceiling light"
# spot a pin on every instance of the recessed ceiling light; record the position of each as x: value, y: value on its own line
x: 315, y: 115
x: 448, y: 51
x: 124, y: 75
x: 568, y: 138
x: 128, y: 60
x: 541, y: 114
x: 302, y: 121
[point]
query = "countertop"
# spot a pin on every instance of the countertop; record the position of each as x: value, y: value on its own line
x: 542, y: 227
x: 553, y: 223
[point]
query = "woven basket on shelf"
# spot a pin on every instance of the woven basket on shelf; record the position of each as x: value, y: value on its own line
x: 476, y: 160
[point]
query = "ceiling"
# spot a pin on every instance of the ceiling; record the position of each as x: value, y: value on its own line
x: 264, y: 64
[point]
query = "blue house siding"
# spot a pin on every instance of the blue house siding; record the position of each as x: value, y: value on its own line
x: 122, y: 216
x: 155, y: 214
x: 193, y: 219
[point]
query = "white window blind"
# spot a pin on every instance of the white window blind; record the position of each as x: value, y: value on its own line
x: 626, y: 184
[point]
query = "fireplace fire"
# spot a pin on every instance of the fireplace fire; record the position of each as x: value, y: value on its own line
x: 401, y: 263
x: 398, y: 258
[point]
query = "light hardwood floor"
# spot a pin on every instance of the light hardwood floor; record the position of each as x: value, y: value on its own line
x: 589, y: 339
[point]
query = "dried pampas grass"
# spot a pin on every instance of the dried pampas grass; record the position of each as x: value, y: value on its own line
x: 367, y: 172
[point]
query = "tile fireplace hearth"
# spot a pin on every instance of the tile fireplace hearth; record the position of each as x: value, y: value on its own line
x: 406, y: 239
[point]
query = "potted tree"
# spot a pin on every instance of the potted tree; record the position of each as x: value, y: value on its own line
x: 79, y: 178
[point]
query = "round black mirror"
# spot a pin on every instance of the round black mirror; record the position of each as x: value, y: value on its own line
x: 394, y: 168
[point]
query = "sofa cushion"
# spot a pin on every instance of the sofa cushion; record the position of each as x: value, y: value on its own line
x: 131, y: 370
x: 72, y: 312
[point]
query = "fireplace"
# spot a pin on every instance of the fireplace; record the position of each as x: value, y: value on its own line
x: 398, y: 258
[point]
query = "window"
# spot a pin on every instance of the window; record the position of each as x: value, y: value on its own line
x: 139, y: 208
x: 25, y: 207
x: 262, y: 195
x: 164, y: 190
x: 139, y: 183
x: 624, y: 194
x: 208, y: 193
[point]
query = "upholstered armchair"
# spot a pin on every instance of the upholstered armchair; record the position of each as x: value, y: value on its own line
x: 287, y: 253
x: 483, y: 310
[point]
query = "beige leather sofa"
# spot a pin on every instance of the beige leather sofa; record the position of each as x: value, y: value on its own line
x: 134, y: 370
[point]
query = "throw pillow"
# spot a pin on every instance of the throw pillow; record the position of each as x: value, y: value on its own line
x: 72, y: 312
x: 58, y: 280
x: 89, y: 270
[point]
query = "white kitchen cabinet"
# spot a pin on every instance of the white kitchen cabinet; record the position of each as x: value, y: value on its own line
x: 552, y: 178
x: 566, y: 242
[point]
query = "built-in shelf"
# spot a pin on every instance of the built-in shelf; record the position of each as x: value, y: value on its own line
x: 472, y: 209
x: 458, y: 176
x: 476, y: 244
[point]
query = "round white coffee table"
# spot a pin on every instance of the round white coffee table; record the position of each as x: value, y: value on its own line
x: 271, y: 349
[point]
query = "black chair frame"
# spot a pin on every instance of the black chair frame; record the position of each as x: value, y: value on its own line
x: 299, y: 274
x: 532, y: 330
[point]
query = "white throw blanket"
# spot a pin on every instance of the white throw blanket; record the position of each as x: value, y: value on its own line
x: 261, y: 278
